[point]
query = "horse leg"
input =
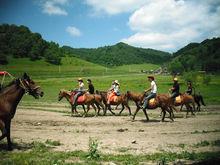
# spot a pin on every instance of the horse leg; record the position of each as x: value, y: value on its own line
x: 123, y: 107
x: 8, y: 133
x: 164, y: 114
x: 94, y: 109
x: 129, y: 109
x: 181, y: 108
x: 145, y: 112
x: 138, y: 108
x: 170, y: 111
x: 3, y: 130
x: 109, y: 108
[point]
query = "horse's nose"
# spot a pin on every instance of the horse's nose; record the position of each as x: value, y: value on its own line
x: 41, y: 94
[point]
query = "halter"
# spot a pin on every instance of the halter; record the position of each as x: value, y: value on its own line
x: 27, y: 90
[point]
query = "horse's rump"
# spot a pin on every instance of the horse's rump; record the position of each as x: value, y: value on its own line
x: 80, y: 100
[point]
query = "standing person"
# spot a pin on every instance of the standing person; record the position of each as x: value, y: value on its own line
x: 189, y: 88
x: 175, y: 90
x: 79, y: 92
x: 153, y: 91
x: 90, y: 86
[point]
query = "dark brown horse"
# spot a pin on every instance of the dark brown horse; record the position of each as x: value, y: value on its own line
x: 136, y: 97
x: 89, y: 99
x: 10, y: 96
x: 162, y: 101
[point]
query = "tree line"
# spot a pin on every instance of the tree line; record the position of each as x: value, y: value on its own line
x: 204, y: 56
x: 19, y: 42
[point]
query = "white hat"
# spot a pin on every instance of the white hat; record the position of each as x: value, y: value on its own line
x: 116, y: 82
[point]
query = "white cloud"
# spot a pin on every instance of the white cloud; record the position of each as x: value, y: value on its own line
x: 73, y: 31
x: 170, y: 24
x: 53, y: 7
x: 113, y: 7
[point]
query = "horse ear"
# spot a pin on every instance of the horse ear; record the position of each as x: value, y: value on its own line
x: 25, y: 76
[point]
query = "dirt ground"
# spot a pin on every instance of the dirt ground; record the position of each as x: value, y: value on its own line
x: 117, y: 134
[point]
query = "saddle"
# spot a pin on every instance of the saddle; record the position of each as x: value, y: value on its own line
x: 80, y: 99
x: 152, y: 103
x: 178, y: 99
x: 112, y: 97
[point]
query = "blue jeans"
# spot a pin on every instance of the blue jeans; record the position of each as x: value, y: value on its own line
x: 146, y: 99
x: 174, y: 95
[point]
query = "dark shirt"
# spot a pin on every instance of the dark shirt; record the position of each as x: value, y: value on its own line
x: 91, y: 89
x: 189, y: 90
x: 176, y: 88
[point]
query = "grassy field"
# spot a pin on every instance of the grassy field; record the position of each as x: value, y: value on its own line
x: 52, y: 78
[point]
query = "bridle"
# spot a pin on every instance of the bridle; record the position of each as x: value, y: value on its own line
x: 27, y: 88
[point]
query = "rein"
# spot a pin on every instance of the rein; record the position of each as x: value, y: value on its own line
x: 27, y: 89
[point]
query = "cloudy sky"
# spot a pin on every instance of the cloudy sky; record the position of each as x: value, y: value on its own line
x: 159, y: 24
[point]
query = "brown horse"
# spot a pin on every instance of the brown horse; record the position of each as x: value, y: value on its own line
x: 10, y: 96
x: 163, y: 101
x: 187, y: 100
x: 136, y: 97
x: 90, y: 99
x: 122, y: 99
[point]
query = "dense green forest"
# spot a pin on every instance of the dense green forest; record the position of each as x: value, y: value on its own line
x: 19, y: 41
x: 119, y: 54
x: 197, y: 56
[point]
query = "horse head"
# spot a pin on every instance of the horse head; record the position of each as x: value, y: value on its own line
x: 30, y: 86
x: 63, y: 93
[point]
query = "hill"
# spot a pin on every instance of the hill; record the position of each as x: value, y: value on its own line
x: 198, y: 56
x: 118, y: 54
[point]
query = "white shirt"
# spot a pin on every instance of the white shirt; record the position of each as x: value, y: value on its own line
x: 81, y: 86
x: 153, y: 87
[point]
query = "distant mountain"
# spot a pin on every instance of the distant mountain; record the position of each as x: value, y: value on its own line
x: 119, y: 54
x: 198, y: 56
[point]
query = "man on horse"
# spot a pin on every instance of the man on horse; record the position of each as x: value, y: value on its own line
x: 79, y: 92
x: 90, y: 86
x: 175, y: 89
x: 153, y: 93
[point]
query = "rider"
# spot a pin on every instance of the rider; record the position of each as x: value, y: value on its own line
x: 90, y: 86
x: 175, y: 89
x: 79, y: 92
x: 114, y: 90
x: 189, y: 88
x: 152, y: 89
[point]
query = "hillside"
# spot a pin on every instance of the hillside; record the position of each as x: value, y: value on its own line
x: 119, y: 54
x: 198, y: 56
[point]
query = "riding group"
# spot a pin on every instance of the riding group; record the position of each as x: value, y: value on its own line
x: 12, y: 94
x: 149, y: 99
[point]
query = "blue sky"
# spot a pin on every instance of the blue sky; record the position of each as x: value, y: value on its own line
x: 159, y: 24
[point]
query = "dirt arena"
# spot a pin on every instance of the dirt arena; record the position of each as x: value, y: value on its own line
x: 116, y: 134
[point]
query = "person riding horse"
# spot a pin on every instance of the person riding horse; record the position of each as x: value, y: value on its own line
x: 90, y: 86
x: 79, y: 92
x: 114, y: 90
x: 175, y: 89
x: 189, y: 88
x: 153, y: 93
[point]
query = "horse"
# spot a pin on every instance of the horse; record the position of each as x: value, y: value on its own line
x: 87, y: 99
x: 198, y: 100
x: 185, y: 99
x: 136, y: 97
x: 10, y: 97
x: 117, y: 100
x: 162, y: 100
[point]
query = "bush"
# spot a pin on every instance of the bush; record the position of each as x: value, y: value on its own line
x: 93, y: 149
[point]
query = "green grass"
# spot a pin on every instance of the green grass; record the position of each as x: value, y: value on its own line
x: 52, y: 79
x: 41, y: 153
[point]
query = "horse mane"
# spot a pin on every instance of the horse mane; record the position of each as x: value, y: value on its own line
x: 4, y: 89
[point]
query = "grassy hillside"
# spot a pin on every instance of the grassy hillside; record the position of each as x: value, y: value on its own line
x: 198, y: 56
x: 119, y: 54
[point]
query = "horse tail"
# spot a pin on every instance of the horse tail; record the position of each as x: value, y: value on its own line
x: 202, y: 101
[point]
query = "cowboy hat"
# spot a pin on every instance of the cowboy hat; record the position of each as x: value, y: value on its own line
x: 116, y: 82
x: 175, y: 79
x: 151, y: 77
